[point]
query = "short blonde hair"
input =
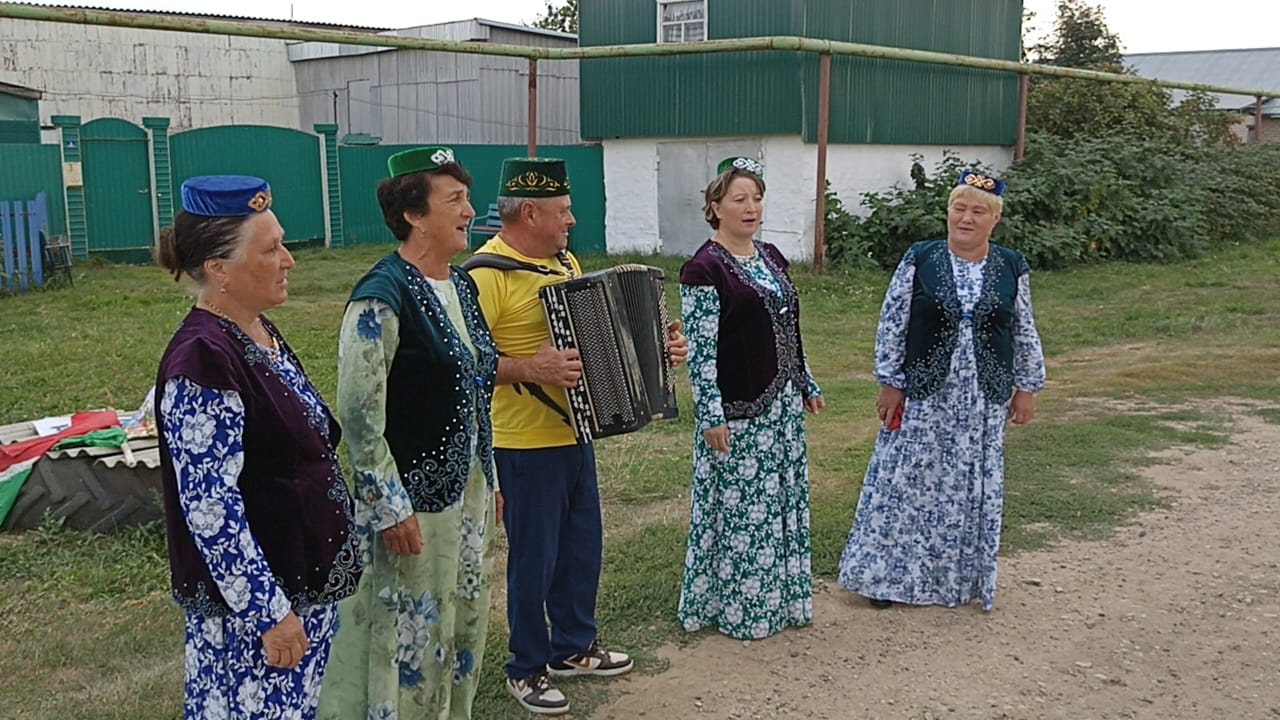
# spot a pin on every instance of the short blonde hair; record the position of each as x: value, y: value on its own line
x: 720, y: 187
x: 994, y: 202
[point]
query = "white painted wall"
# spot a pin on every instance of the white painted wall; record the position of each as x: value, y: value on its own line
x: 631, y: 197
x: 196, y: 80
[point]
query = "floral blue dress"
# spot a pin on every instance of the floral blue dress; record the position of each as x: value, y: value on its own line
x: 227, y: 677
x: 927, y: 528
x: 747, y: 567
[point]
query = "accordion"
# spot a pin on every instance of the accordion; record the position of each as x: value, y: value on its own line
x: 617, y: 321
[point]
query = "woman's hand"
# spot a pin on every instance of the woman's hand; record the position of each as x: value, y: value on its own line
x: 1023, y: 407
x: 717, y: 438
x: 815, y: 404
x: 286, y: 643
x: 888, y: 402
x: 499, y: 504
x: 677, y: 344
x: 404, y: 538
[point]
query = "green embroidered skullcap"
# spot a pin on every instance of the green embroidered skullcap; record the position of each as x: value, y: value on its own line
x: 533, y: 178
x: 423, y: 159
x: 750, y: 165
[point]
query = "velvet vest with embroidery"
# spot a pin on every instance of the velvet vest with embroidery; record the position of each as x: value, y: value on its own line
x: 758, y: 344
x: 295, y: 499
x: 439, y: 394
x: 936, y: 315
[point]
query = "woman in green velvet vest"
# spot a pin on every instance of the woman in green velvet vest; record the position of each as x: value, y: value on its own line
x: 416, y: 369
x: 957, y: 357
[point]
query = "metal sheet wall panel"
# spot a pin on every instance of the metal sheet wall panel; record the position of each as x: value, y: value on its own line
x: 775, y: 93
x: 413, y: 96
x: 29, y: 169
x: 288, y: 159
x: 364, y: 167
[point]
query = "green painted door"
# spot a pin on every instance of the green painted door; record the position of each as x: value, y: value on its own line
x: 117, y: 189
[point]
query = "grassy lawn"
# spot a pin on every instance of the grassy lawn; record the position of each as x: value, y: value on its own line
x: 1139, y: 358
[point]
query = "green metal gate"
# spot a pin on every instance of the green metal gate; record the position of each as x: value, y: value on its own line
x: 117, y: 189
x: 288, y: 159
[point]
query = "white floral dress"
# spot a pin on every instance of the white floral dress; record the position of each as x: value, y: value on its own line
x: 410, y: 641
x: 227, y: 677
x: 927, y: 528
x: 747, y: 567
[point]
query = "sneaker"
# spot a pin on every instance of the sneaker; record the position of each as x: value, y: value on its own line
x: 595, y: 661
x: 536, y: 695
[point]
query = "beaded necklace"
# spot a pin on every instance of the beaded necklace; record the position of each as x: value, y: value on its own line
x: 272, y: 350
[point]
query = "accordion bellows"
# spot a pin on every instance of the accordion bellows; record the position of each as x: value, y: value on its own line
x: 617, y: 320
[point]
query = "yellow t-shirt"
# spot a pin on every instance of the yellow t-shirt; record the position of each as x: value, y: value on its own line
x: 510, y: 303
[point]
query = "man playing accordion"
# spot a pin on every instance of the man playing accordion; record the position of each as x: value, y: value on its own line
x: 550, y: 498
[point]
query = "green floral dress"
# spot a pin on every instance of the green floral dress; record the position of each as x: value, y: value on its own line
x: 410, y: 641
x: 747, y: 568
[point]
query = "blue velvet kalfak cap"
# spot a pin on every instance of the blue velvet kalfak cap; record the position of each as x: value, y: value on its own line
x: 992, y: 185
x: 225, y: 195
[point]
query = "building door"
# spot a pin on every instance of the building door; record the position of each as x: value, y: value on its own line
x: 117, y: 189
x: 685, y: 168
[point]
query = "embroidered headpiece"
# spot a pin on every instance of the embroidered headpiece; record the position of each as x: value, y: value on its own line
x: 423, y: 159
x: 533, y: 178
x: 982, y: 182
x: 750, y: 165
x: 225, y: 195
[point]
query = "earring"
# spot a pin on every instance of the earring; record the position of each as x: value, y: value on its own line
x: 223, y: 289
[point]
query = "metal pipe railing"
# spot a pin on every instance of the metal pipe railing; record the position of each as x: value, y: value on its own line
x: 282, y: 31
x: 825, y: 48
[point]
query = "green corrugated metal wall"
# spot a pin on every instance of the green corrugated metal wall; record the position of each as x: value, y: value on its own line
x: 364, y: 167
x: 288, y: 159
x: 873, y: 101
x: 19, y: 119
x: 688, y: 95
x: 26, y: 170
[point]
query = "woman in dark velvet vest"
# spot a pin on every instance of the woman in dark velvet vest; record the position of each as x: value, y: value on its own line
x: 747, y: 566
x: 957, y: 357
x: 261, y: 543
x: 416, y: 370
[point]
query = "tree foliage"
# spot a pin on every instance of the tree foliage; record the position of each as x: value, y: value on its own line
x: 1080, y: 39
x: 1068, y: 108
x: 562, y: 17
x: 1086, y: 199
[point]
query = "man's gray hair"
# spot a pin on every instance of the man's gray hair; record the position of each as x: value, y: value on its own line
x: 509, y: 207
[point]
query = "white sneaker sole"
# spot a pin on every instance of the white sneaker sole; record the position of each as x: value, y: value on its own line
x: 538, y: 709
x: 577, y: 672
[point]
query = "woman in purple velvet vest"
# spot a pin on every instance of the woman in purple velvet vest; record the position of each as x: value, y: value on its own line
x: 260, y: 528
x: 747, y: 566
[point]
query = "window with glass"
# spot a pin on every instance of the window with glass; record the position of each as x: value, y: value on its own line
x: 682, y: 21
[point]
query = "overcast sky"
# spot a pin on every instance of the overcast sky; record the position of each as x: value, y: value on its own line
x: 1143, y: 25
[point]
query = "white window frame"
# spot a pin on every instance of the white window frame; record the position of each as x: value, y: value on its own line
x: 662, y: 4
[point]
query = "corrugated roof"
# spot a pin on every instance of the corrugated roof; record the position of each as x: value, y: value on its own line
x: 20, y: 91
x: 527, y: 29
x: 1255, y: 68
x: 203, y: 16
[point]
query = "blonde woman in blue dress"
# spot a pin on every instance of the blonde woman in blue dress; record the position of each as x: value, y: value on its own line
x: 957, y: 357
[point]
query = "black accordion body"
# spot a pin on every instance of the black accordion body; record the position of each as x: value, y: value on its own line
x: 617, y: 320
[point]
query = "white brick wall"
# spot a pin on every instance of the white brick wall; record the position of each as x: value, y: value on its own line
x: 197, y: 80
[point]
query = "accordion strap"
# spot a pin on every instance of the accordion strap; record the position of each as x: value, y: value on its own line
x: 502, y: 262
x: 541, y: 396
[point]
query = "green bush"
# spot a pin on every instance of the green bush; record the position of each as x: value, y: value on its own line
x: 1087, y: 199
